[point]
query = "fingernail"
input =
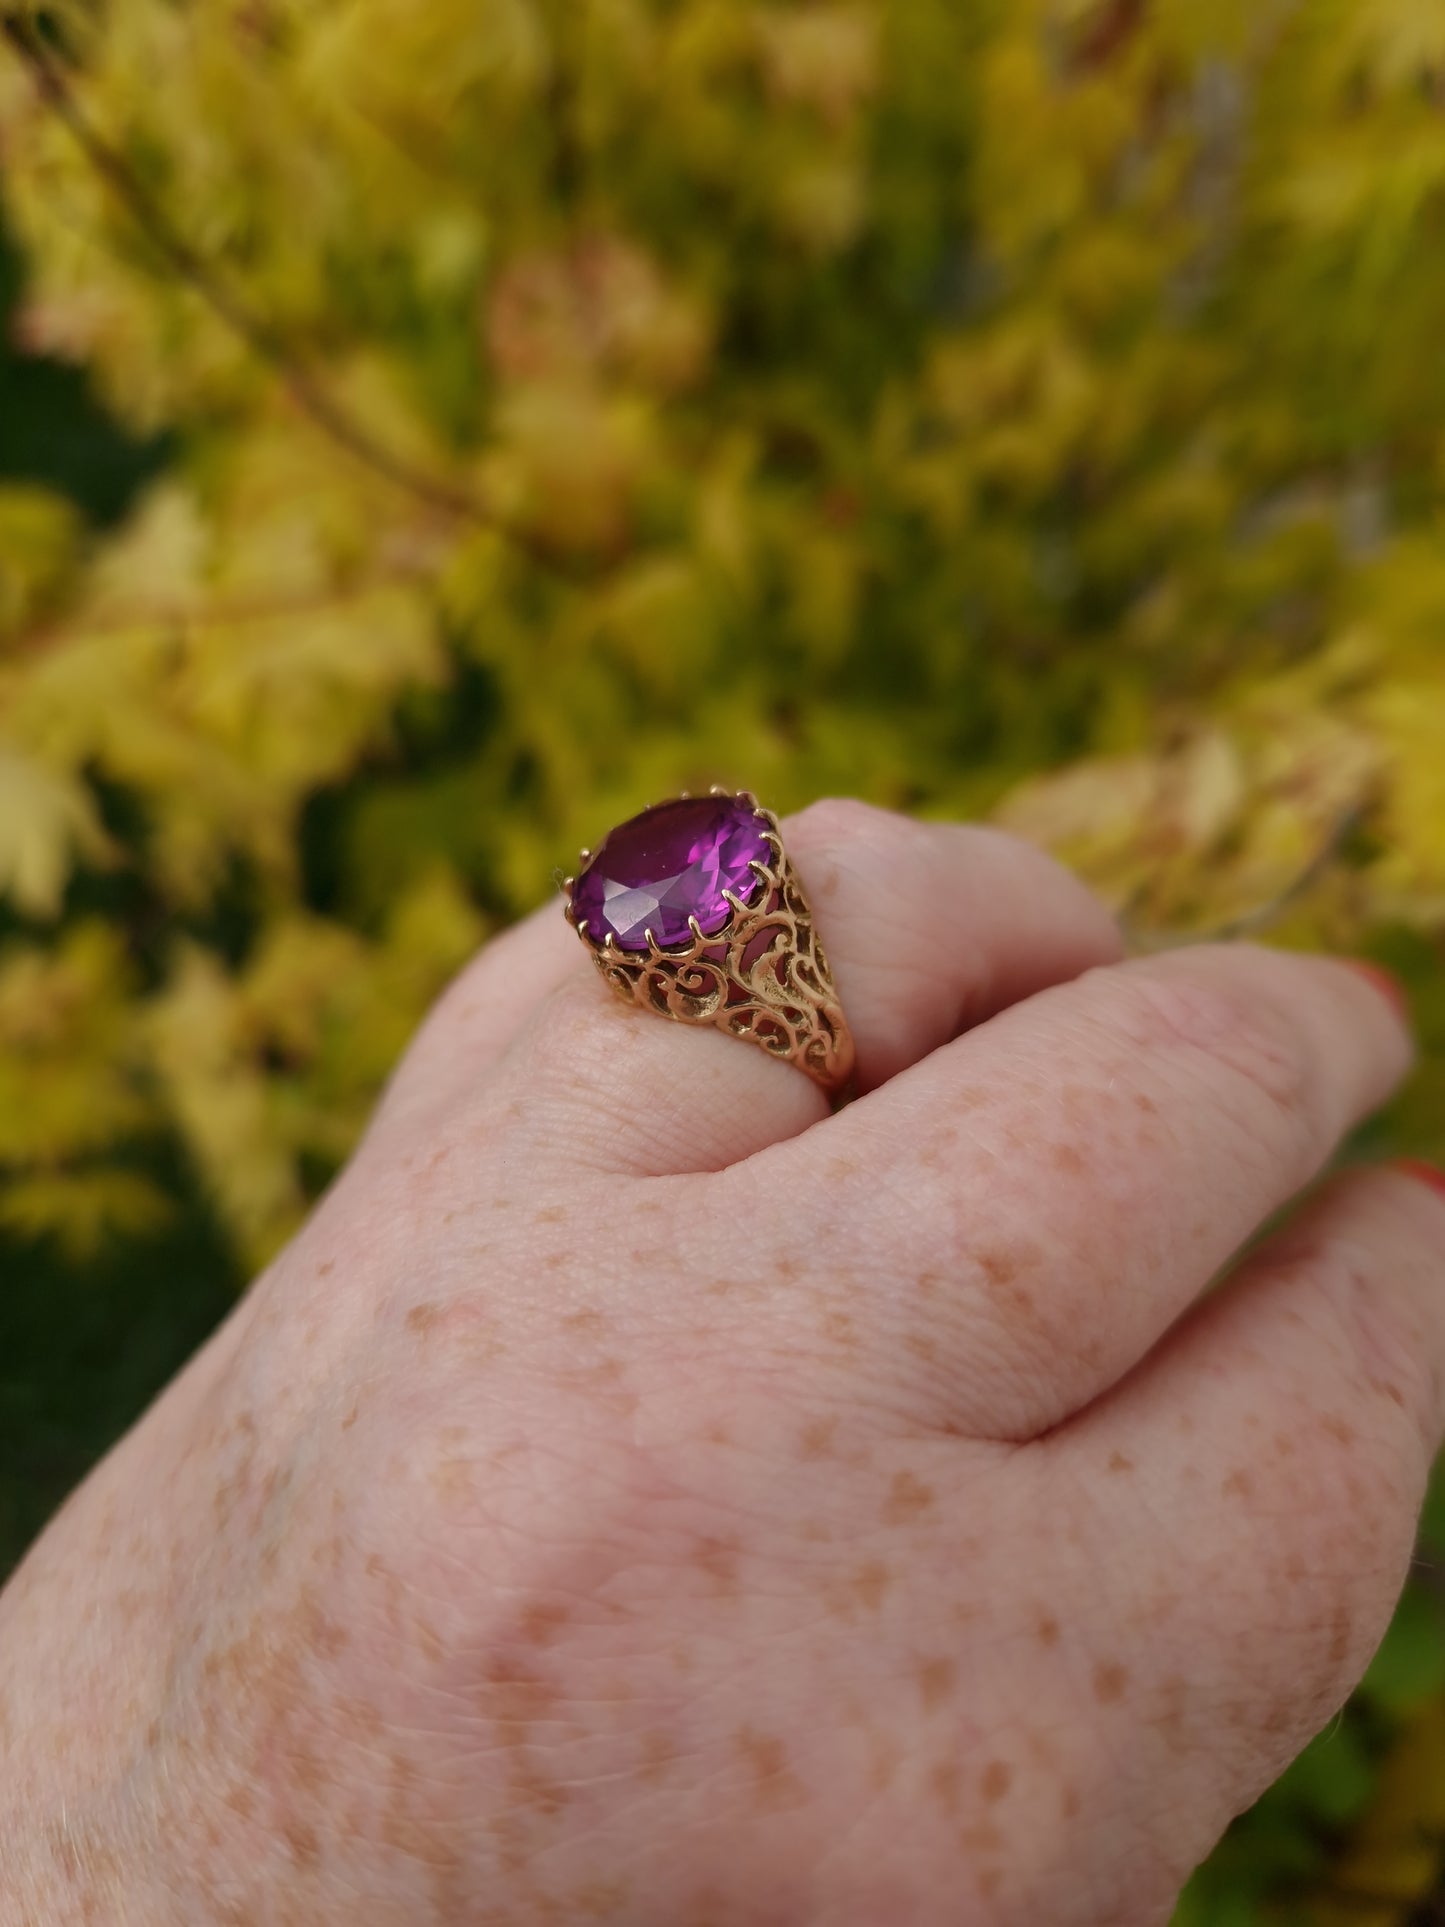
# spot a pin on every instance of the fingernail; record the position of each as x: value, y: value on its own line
x: 1385, y: 981
x: 1429, y: 1174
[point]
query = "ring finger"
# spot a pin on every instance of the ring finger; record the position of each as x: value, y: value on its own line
x: 929, y: 927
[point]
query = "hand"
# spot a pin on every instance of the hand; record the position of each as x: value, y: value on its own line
x: 638, y: 1495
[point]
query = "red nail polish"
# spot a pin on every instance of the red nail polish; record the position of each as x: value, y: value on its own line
x: 1385, y: 981
x: 1430, y: 1174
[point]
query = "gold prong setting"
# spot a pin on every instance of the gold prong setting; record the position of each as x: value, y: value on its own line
x: 759, y: 973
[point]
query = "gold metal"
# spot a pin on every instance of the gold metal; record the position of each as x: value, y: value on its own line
x: 762, y: 977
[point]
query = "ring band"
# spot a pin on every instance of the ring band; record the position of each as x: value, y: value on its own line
x: 692, y: 909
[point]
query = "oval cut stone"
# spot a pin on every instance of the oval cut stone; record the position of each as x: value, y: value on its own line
x: 670, y: 863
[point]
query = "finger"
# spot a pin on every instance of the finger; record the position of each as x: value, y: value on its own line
x: 1268, y: 1465
x: 932, y: 927
x: 927, y: 927
x: 479, y: 1013
x: 1043, y: 1197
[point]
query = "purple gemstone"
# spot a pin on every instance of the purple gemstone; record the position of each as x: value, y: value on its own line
x: 670, y: 863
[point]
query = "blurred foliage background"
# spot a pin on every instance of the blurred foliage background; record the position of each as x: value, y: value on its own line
x: 431, y: 428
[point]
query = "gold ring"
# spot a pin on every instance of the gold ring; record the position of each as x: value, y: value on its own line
x: 692, y: 909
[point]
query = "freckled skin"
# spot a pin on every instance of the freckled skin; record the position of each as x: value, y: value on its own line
x: 774, y: 1521
x: 1110, y: 1680
x: 936, y: 1682
x: 816, y: 1441
x: 908, y: 1498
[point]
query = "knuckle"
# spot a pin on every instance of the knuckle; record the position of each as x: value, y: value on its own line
x: 1336, y: 1592
x: 1388, y: 1365
x: 1343, y: 1474
x: 578, y: 1021
x: 1245, y: 1039
x: 839, y: 815
x: 837, y: 823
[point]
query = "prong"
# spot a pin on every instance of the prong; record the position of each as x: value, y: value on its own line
x: 584, y: 857
x: 737, y: 903
x: 684, y: 796
x: 718, y: 789
x: 609, y: 942
x: 569, y: 884
x: 652, y: 945
x: 696, y: 928
x: 760, y: 870
x: 746, y: 796
x: 580, y: 928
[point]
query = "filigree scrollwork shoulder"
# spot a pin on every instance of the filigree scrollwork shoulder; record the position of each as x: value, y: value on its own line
x: 763, y: 977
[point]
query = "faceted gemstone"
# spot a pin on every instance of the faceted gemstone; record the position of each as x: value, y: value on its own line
x: 670, y: 863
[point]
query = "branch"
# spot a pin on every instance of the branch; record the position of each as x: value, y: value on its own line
x: 222, y: 615
x: 230, y: 307
x: 1251, y: 922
